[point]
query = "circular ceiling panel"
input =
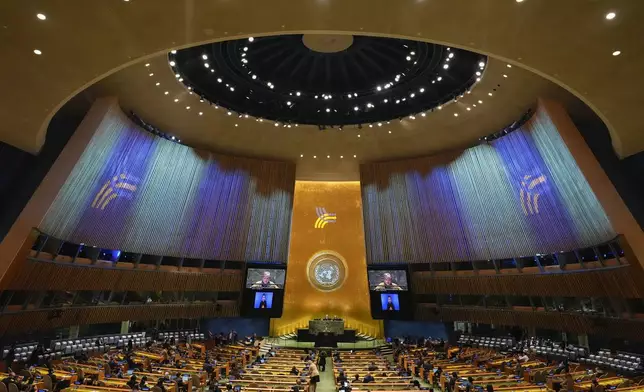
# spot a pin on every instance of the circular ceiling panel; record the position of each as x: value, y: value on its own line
x: 327, y: 80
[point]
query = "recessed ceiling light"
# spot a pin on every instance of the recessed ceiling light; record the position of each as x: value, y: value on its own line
x: 328, y: 156
x: 509, y: 66
x: 43, y: 17
x: 173, y: 51
x: 440, y: 108
x: 147, y: 64
x: 505, y: 76
x: 610, y: 16
x: 181, y: 79
x: 230, y: 113
x: 380, y: 124
x: 245, y: 48
x: 408, y: 58
x: 187, y: 107
x: 358, y: 135
x: 315, y: 156
x: 615, y: 53
x: 232, y: 89
x: 450, y: 55
x: 166, y: 93
x: 445, y: 66
x: 422, y: 89
x: 519, y: 1
x: 423, y: 114
x: 219, y: 80
x: 481, y: 64
x: 251, y: 39
x: 455, y: 114
x: 356, y: 108
x: 478, y: 73
x: 289, y: 103
x: 341, y: 156
x: 236, y: 125
x: 151, y: 74
x: 158, y: 83
x: 490, y: 94
x: 389, y: 131
x: 328, y: 110
x: 37, y: 51
x: 201, y: 113
x: 176, y: 99
x: 354, y: 156
x: 480, y: 101
x: 468, y: 109
x: 439, y: 78
x: 297, y: 93
x: 206, y: 65
x: 205, y: 57
x: 172, y: 63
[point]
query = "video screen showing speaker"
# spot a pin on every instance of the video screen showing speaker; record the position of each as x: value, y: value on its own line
x: 389, y: 292
x: 265, y: 278
x: 263, y: 295
x: 263, y: 300
x: 387, y: 280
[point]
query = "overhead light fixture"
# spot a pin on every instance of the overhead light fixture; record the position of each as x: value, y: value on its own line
x: 455, y: 114
x: 450, y: 55
x: 151, y: 74
x: 380, y: 124
x: 440, y: 107
x: 181, y: 79
x: 615, y: 53
x: 358, y: 135
x: 445, y: 66
x: 341, y: 156
x: 245, y: 48
x: 254, y: 77
x: 230, y: 113
x: 205, y: 57
x: 297, y: 93
x: 356, y: 108
x: 439, y: 78
x: 505, y: 76
x: 173, y: 51
x: 422, y: 89
x: 43, y: 17
x: 519, y: 1
x: 176, y: 99
x: 354, y: 156
x: 610, y: 16
x: 408, y: 58
x: 478, y: 73
x: 166, y: 93
x: 509, y: 65
x: 206, y: 65
x: 490, y: 94
x: 37, y: 51
x: 288, y: 103
x: 468, y: 109
x: 219, y: 80
x: 201, y: 113
x: 236, y: 125
x: 172, y: 63
x: 187, y: 107
x: 481, y: 64
x: 251, y: 39
x: 480, y: 101
x: 158, y: 83
x: 423, y: 114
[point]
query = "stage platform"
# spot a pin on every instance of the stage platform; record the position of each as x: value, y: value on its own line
x: 326, y: 339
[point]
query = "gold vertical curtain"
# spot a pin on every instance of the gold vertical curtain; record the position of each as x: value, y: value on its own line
x: 141, y: 193
x: 519, y: 195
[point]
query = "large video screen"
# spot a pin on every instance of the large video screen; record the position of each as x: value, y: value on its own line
x: 388, y: 280
x: 390, y: 302
x: 264, y: 278
x: 263, y: 300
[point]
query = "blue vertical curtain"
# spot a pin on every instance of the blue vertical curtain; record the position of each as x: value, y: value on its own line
x: 519, y: 195
x: 140, y: 193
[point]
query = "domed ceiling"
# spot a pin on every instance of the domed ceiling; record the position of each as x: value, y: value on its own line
x: 327, y: 80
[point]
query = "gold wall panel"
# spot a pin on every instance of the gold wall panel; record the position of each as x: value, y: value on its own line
x: 343, y: 238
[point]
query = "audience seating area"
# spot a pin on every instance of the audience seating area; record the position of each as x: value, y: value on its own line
x: 622, y: 362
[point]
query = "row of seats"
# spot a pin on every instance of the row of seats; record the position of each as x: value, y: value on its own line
x: 622, y: 362
x: 571, y: 353
x: 486, y: 341
x: 181, y: 335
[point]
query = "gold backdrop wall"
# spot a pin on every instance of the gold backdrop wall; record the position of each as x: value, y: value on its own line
x: 342, y: 237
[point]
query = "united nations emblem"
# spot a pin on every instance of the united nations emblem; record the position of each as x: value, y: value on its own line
x: 326, y: 271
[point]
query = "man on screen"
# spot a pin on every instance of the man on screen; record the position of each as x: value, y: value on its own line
x: 262, y: 303
x: 387, y: 283
x: 265, y: 283
x: 390, y: 303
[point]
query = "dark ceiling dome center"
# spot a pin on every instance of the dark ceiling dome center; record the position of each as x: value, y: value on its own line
x: 327, y: 43
x: 327, y: 80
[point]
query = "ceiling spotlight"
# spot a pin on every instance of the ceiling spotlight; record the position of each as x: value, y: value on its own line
x: 519, y: 1
x: 219, y: 80
x: 328, y: 110
x: 297, y: 93
x: 206, y: 65
x: 277, y: 125
x: 205, y: 57
x: 615, y: 53
x: 474, y: 104
x: 354, y: 156
x: 245, y: 48
x: 166, y: 93
x: 288, y: 103
x: 251, y: 39
x: 455, y: 114
x: 43, y: 17
x: 187, y: 107
x: 380, y: 124
x: 236, y: 125
x: 370, y: 125
x: 478, y: 73
x: 385, y: 100
x: 412, y: 53
x: 439, y: 78
x: 181, y: 79
x: 423, y: 114
x: 172, y: 63
x: 408, y: 58
x: 369, y: 105
x: 358, y: 135
x: 610, y: 16
x: 480, y: 101
x: 412, y: 95
x: 445, y: 66
x: 176, y: 99
x: 158, y: 83
x: 37, y: 51
x: 490, y: 94
x: 173, y: 138
x: 468, y: 109
x: 173, y: 51
x: 201, y: 113
x: 245, y: 115
x: 378, y: 88
x: 422, y: 89
x: 328, y: 156
x: 341, y: 156
x: 509, y: 66
x: 315, y: 156
x: 440, y: 107
x: 451, y: 55
x: 229, y: 113
x: 356, y: 108
x: 355, y: 94
x: 348, y: 95
x: 478, y: 79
